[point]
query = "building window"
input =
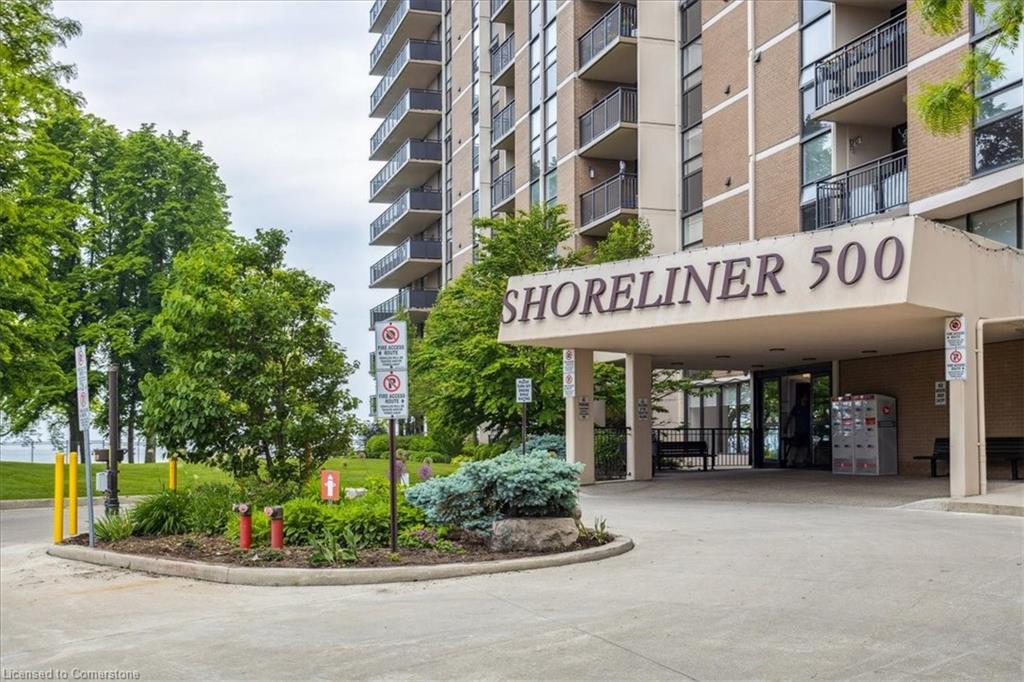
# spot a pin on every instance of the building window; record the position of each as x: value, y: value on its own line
x: 997, y: 123
x: 692, y: 136
x: 1000, y: 223
x: 815, y: 136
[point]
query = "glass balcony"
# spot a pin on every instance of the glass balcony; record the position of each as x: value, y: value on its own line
x: 503, y: 56
x: 503, y: 191
x: 876, y: 187
x: 873, y: 63
x: 410, y: 19
x: 380, y: 10
x: 415, y: 115
x: 608, y: 129
x: 611, y: 201
x: 414, y: 301
x: 415, y: 67
x: 502, y: 11
x: 413, y: 164
x: 607, y: 51
x: 412, y: 213
x: 410, y: 260
x: 503, y: 127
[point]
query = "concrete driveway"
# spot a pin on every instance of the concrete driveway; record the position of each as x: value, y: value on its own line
x: 720, y: 586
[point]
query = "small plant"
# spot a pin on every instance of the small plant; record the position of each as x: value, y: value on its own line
x: 209, y: 508
x: 114, y: 527
x: 165, y: 513
x: 599, y: 533
x: 269, y: 555
x: 394, y: 557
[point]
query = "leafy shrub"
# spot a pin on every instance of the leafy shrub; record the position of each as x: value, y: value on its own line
x: 550, y: 442
x: 330, y: 551
x: 420, y: 455
x: 165, y: 513
x: 377, y: 446
x: 462, y: 459
x: 209, y: 508
x: 260, y: 529
x: 484, y: 451
x: 261, y: 493
x: 114, y: 527
x: 418, y: 443
x: 507, y: 486
x: 303, y: 521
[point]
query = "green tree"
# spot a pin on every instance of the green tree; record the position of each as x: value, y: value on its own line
x: 949, y: 106
x: 253, y: 381
x: 32, y: 87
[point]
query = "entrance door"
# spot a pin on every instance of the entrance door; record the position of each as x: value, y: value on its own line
x: 791, y: 417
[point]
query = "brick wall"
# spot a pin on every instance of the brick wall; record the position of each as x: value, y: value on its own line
x: 725, y: 221
x: 921, y: 40
x: 936, y: 163
x: 725, y: 150
x: 911, y: 377
x: 725, y: 58
x: 709, y: 8
x: 777, y: 194
x: 777, y: 93
x: 772, y: 18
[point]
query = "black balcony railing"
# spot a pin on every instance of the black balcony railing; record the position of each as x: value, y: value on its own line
x: 417, y: 150
x: 410, y: 249
x: 861, y: 62
x: 610, y: 452
x: 503, y: 122
x: 618, y: 107
x: 620, y: 20
x: 503, y: 55
x: 730, y: 446
x: 411, y: 200
x: 393, y: 23
x: 406, y: 299
x: 422, y: 100
x: 872, y: 188
x: 608, y: 198
x: 503, y: 187
x: 418, y: 50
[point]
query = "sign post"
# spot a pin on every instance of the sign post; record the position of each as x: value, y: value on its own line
x: 84, y: 419
x: 391, y: 359
x: 524, y: 396
x: 956, y: 348
x: 568, y: 373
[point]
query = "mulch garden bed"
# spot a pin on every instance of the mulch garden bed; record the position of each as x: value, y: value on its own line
x: 219, y: 550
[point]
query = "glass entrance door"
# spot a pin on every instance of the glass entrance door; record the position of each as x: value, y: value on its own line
x: 792, y: 427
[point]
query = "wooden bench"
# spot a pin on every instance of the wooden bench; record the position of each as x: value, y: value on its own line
x: 997, y: 449
x: 682, y: 449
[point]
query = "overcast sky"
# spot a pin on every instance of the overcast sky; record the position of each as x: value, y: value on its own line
x: 278, y: 93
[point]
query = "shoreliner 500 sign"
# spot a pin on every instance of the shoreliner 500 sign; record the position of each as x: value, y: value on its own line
x: 727, y: 279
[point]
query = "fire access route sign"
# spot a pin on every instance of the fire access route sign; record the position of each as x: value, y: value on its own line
x: 956, y: 348
x: 82, y: 375
x: 392, y: 375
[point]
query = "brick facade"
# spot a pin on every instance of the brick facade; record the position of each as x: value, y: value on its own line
x: 728, y: 221
x: 777, y: 196
x: 725, y: 58
x: 777, y: 93
x: 725, y: 132
x: 772, y: 18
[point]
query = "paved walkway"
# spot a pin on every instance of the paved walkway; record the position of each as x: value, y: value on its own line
x: 722, y: 585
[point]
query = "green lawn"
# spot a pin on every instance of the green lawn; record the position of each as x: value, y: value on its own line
x: 21, y: 480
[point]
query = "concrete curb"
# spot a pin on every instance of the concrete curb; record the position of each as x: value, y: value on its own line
x: 963, y: 506
x: 47, y: 503
x: 294, y: 577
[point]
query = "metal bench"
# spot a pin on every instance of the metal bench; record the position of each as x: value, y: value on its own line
x: 682, y: 449
x: 997, y: 449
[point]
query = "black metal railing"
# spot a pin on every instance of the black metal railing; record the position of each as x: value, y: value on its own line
x: 406, y: 299
x: 872, y: 188
x: 503, y: 55
x: 618, y: 107
x: 503, y: 122
x: 732, y: 447
x: 418, y: 50
x: 610, y: 197
x: 861, y: 62
x: 419, y: 150
x: 421, y: 100
x: 610, y: 452
x: 503, y: 187
x: 411, y: 200
x: 392, y: 26
x: 620, y: 20
x: 412, y: 248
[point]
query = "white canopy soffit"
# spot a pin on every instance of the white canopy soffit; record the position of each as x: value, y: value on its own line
x: 874, y: 288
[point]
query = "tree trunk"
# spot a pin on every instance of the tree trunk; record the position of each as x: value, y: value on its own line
x: 75, y: 441
x: 150, y: 448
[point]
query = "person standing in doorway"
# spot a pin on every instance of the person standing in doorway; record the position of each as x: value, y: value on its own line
x: 800, y: 418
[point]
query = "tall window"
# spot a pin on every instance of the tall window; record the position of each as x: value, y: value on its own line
x: 692, y: 133
x: 543, y: 102
x: 997, y: 124
x: 815, y: 136
x: 1001, y: 223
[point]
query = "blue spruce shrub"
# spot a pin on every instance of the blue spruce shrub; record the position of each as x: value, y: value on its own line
x: 549, y: 442
x: 508, y: 486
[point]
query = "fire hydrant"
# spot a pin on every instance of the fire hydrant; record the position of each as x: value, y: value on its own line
x: 244, y: 524
x: 276, y: 516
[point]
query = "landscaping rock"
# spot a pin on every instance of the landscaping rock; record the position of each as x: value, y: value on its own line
x: 352, y: 493
x: 534, y: 534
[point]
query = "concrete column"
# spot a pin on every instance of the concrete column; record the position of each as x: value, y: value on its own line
x: 579, y: 417
x: 638, y: 417
x: 964, y: 479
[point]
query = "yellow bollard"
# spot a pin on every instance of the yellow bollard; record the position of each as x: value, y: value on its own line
x: 73, y: 493
x: 58, y: 498
x: 172, y: 481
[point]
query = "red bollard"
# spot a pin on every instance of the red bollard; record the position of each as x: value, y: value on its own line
x: 244, y: 525
x: 276, y: 515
